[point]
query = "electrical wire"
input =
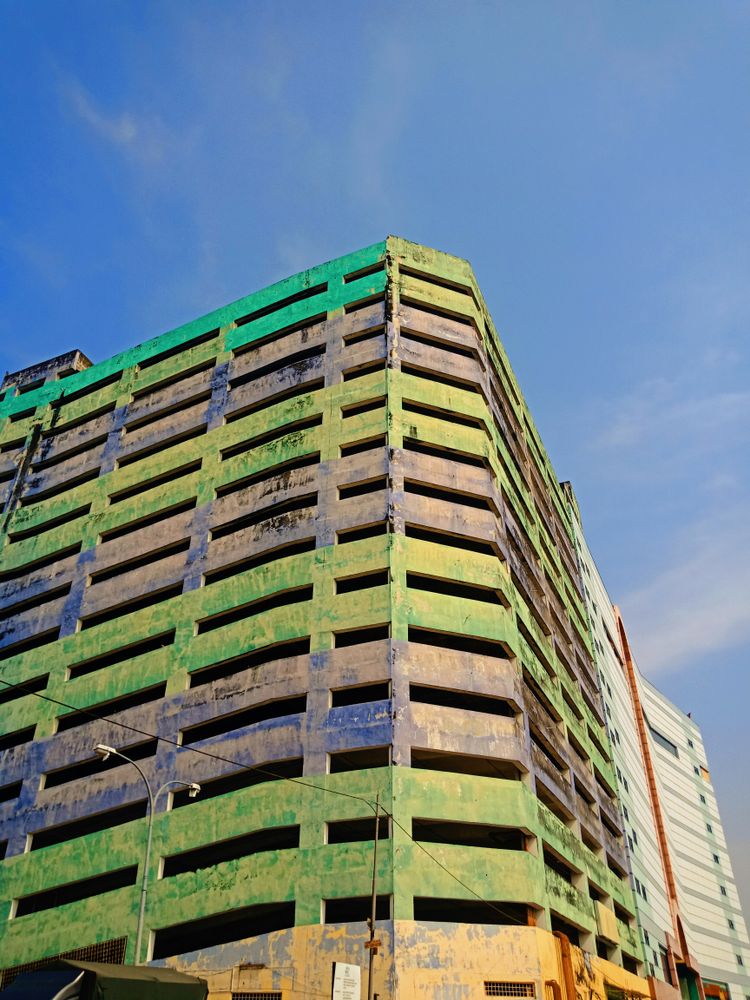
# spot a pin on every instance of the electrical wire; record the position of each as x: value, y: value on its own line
x: 487, y: 902
x: 261, y: 770
x: 174, y: 743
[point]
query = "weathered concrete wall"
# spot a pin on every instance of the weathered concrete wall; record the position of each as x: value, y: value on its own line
x: 223, y: 464
x: 446, y: 961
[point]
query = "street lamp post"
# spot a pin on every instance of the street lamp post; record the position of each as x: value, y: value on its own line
x: 103, y: 751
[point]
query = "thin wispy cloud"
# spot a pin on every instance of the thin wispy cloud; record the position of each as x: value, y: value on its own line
x: 698, y: 606
x: 673, y: 449
x: 121, y: 129
x: 376, y: 128
x: 664, y: 412
x: 680, y: 444
x: 142, y: 136
x: 710, y: 296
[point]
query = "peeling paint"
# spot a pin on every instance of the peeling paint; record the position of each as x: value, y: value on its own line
x: 455, y: 421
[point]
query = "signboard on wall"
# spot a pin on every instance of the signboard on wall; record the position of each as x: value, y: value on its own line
x: 346, y: 982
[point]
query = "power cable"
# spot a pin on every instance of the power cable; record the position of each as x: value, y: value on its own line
x: 260, y: 770
x: 174, y: 743
x: 487, y: 902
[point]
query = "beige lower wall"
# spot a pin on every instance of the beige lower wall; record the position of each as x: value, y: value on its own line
x: 433, y: 962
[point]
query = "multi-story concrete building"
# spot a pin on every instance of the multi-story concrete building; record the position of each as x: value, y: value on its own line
x: 308, y: 552
x: 641, y: 837
x: 691, y: 924
x: 711, y: 920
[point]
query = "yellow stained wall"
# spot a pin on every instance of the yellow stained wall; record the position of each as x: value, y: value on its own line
x: 435, y: 962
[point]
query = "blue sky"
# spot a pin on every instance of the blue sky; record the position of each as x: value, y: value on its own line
x: 591, y: 159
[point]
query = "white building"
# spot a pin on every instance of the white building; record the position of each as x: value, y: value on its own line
x: 690, y: 918
x: 709, y: 904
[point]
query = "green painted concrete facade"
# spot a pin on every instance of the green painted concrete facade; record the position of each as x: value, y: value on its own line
x: 452, y: 418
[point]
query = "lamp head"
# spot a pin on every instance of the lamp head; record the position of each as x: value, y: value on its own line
x: 193, y: 789
x: 103, y: 751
